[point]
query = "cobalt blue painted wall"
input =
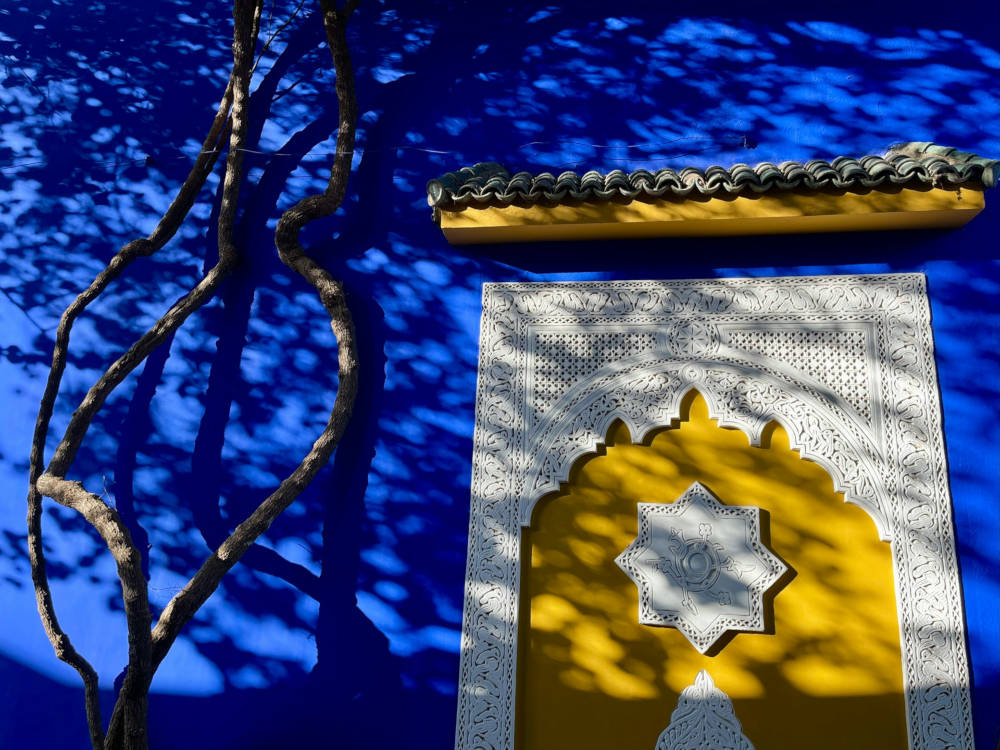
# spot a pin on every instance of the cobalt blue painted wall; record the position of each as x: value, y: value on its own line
x: 341, y: 629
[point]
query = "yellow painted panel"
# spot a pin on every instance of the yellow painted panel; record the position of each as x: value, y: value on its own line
x: 591, y: 677
x: 778, y: 213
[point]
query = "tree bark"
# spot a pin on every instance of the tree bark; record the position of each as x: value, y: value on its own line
x: 134, y: 594
x: 147, y: 647
x: 127, y: 727
x: 165, y: 229
x: 183, y: 606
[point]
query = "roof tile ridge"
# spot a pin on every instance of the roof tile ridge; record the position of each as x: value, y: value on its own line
x: 926, y: 162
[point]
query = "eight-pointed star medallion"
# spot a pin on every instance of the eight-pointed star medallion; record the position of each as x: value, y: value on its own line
x: 701, y: 567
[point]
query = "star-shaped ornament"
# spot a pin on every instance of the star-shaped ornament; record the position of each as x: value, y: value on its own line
x: 701, y: 567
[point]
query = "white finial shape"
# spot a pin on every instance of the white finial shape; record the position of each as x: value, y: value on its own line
x: 703, y: 720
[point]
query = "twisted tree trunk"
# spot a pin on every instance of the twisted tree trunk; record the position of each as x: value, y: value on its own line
x: 148, y: 646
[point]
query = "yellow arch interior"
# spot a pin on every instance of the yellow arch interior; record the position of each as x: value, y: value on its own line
x: 591, y: 677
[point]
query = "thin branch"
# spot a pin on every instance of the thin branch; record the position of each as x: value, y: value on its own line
x: 244, y: 40
x: 272, y: 37
x: 130, y: 730
x: 183, y: 606
x: 163, y: 232
x: 287, y: 90
x: 79, y: 424
x: 142, y: 247
x: 128, y: 720
x: 61, y: 643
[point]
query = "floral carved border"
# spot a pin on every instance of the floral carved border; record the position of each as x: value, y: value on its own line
x: 892, y: 465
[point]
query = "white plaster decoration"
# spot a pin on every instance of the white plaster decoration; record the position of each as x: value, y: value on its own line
x: 843, y: 363
x: 704, y: 718
x: 700, y: 566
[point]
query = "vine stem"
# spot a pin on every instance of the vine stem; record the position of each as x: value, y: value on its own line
x: 133, y: 696
x: 182, y: 607
x: 148, y: 646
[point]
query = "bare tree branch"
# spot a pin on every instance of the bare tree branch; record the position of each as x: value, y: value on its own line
x: 273, y: 36
x: 287, y: 90
x: 183, y: 606
x: 130, y: 730
x: 64, y: 454
x: 147, y: 648
x: 128, y: 721
x: 161, y: 234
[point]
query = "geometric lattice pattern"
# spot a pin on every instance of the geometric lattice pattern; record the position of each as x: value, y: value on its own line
x: 835, y: 358
x: 564, y: 359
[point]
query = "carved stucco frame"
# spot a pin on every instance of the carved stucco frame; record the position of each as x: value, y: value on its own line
x: 889, y: 461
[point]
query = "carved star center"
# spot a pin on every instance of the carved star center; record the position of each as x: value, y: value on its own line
x: 701, y: 567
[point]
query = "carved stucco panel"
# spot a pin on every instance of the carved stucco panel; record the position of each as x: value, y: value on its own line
x: 700, y: 566
x: 704, y: 718
x: 845, y: 364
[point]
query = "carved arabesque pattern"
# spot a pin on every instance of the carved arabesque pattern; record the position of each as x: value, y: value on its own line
x: 726, y: 592
x: 893, y: 467
x: 647, y: 394
x: 704, y: 718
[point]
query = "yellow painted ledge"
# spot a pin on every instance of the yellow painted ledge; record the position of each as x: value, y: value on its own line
x: 786, y: 213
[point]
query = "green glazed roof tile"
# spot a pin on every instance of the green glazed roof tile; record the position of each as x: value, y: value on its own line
x: 907, y: 164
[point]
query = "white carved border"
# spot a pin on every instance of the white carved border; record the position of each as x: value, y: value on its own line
x: 893, y: 466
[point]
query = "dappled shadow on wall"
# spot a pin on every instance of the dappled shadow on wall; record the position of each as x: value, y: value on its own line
x: 223, y: 412
x: 591, y: 676
x: 218, y: 416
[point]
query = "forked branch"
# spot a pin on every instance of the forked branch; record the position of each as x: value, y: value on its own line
x: 147, y: 648
x: 165, y: 229
x: 183, y: 606
x: 131, y: 706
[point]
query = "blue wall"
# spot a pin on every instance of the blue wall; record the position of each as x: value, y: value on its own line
x: 341, y: 628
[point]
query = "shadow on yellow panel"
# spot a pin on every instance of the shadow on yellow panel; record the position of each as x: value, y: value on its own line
x: 590, y: 677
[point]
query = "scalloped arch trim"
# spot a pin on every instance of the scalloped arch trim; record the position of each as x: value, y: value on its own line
x: 647, y: 394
